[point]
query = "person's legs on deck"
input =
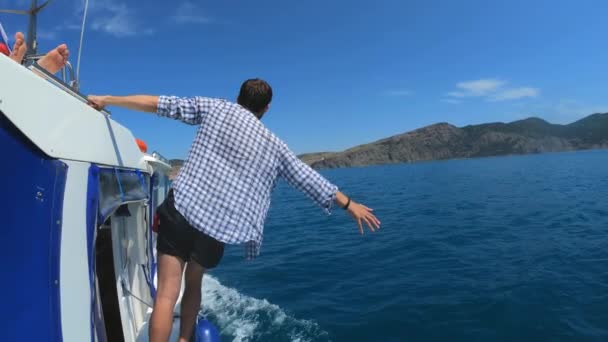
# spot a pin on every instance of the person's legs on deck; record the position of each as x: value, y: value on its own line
x: 180, y: 246
x: 191, y: 300
x: 170, y: 270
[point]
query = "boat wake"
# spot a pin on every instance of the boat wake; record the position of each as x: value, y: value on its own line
x: 245, y: 318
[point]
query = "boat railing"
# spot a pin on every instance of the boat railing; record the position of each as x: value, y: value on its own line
x: 73, y: 80
x: 67, y: 72
x: 160, y: 157
x: 69, y: 86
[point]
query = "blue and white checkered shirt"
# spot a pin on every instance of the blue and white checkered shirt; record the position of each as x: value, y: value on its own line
x: 225, y: 185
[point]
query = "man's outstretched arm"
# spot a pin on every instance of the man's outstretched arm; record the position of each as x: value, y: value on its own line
x: 140, y: 103
x: 304, y: 178
x: 187, y: 109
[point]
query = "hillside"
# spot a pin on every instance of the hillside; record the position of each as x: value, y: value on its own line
x: 445, y: 141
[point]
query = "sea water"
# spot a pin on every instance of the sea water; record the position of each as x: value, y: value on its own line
x: 494, y: 249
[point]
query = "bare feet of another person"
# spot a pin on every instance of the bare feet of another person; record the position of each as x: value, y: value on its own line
x: 55, y: 59
x: 52, y: 62
x: 19, y: 49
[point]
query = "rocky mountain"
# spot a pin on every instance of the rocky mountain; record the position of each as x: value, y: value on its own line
x: 176, y: 165
x: 445, y: 141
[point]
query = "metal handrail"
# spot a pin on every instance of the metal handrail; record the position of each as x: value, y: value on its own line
x: 72, y: 82
x: 160, y: 157
x: 61, y: 84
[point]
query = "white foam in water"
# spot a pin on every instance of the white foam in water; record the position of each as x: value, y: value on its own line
x: 247, y: 318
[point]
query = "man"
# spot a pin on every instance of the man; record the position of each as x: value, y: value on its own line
x: 222, y: 193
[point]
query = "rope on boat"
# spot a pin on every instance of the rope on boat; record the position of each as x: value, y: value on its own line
x: 84, y: 20
x: 126, y: 290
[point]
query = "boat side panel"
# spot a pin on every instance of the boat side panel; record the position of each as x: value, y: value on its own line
x: 61, y: 125
x: 31, y: 209
x: 75, y: 282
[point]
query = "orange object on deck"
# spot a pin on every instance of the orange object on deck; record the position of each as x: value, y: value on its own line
x: 142, y: 145
x: 4, y: 50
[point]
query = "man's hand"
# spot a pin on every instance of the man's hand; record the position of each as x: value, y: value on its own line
x: 97, y: 102
x: 362, y: 214
x: 359, y: 212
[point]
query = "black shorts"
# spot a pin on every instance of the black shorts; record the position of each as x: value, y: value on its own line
x: 178, y: 238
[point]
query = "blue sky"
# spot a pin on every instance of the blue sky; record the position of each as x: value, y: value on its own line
x: 343, y: 72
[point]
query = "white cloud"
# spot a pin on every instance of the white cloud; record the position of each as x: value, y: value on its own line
x: 46, y: 34
x: 73, y: 26
x: 399, y: 92
x: 477, y: 88
x: 515, y: 93
x: 492, y: 90
x: 565, y: 111
x: 114, y: 17
x: 458, y: 94
x: 188, y: 13
x: 117, y: 19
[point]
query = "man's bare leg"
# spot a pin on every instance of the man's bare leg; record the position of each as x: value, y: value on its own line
x: 170, y: 269
x: 191, y: 300
x: 19, y: 49
x: 55, y: 59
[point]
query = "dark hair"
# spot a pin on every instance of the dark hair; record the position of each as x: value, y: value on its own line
x: 255, y: 95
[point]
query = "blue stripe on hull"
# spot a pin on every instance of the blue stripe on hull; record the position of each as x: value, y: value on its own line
x: 97, y: 321
x: 31, y: 204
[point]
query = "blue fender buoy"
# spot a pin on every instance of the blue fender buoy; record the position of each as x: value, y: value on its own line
x: 206, y: 331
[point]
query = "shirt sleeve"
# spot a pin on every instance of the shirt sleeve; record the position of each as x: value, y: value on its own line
x: 187, y: 109
x: 302, y: 177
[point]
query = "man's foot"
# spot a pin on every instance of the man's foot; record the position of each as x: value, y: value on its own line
x: 19, y: 49
x: 55, y: 59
